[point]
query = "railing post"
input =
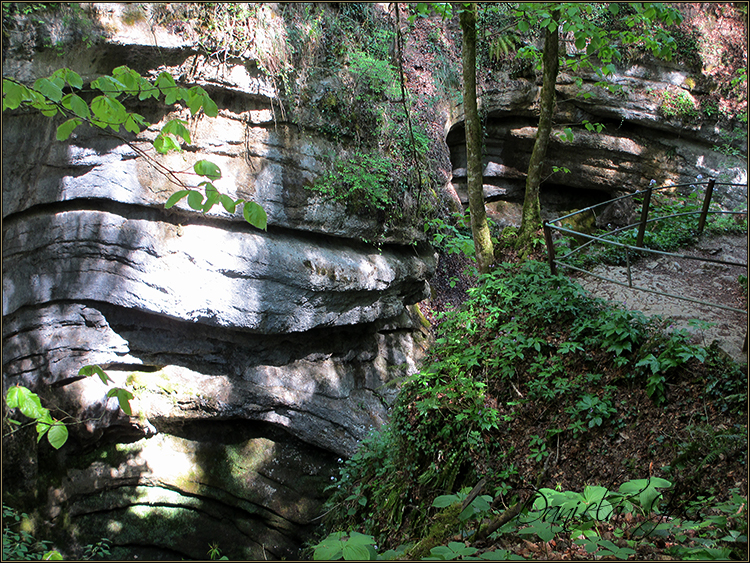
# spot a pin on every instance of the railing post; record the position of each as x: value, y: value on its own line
x: 706, y: 203
x: 550, y: 248
x: 644, y: 217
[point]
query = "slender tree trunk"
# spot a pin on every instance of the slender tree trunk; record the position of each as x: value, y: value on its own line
x: 531, y: 219
x: 479, y: 228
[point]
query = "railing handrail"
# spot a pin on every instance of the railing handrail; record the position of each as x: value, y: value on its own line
x: 638, y: 247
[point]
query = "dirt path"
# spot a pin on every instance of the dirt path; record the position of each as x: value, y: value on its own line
x: 714, y: 283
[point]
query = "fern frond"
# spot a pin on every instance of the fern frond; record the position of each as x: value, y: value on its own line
x: 502, y: 45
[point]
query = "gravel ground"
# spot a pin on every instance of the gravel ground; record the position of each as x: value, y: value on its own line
x: 703, y: 281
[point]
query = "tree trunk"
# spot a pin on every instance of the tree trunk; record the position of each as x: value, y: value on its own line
x: 531, y: 219
x: 483, y: 248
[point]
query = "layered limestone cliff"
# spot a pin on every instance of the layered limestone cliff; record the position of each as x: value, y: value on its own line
x: 257, y: 359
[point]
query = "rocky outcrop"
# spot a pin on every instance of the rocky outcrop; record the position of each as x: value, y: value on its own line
x: 257, y: 359
x: 638, y: 143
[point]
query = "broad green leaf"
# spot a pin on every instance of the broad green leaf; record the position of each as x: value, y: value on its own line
x: 523, y: 26
x: 88, y: 371
x: 123, y: 398
x: 195, y: 200
x: 128, y: 78
x: 109, y: 110
x: 165, y: 82
x: 52, y: 556
x: 43, y: 424
x: 27, y: 402
x: 48, y: 89
x: 76, y: 104
x: 14, y: 94
x: 175, y: 197
x: 209, y: 107
x: 207, y: 169
x: 331, y: 548
x: 255, y: 215
x: 355, y: 552
x: 212, y: 197
x: 69, y: 76
x: 148, y: 90
x: 110, y: 86
x: 195, y: 99
x: 177, y: 128
x: 57, y: 435
x: 174, y: 94
x: 132, y: 125
x: 329, y: 551
x: 66, y: 128
x: 445, y: 500
x: 613, y: 8
x: 163, y: 144
x: 12, y: 397
x: 229, y: 204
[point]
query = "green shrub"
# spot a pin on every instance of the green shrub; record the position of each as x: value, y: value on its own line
x: 363, y: 181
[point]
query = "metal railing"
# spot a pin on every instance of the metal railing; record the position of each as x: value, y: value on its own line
x: 638, y: 248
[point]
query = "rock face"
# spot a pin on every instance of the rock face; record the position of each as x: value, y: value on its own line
x: 637, y: 144
x: 257, y: 359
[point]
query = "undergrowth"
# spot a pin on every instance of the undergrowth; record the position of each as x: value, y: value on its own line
x: 530, y: 365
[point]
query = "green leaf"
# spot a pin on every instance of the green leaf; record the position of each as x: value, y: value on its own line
x: 331, y: 548
x: 196, y: 99
x: 110, y: 111
x: 88, y: 371
x: 165, y: 81
x: 209, y: 107
x: 163, y: 144
x: 57, y: 435
x: 177, y: 128
x: 652, y: 362
x: 255, y: 215
x: 69, y: 76
x: 212, y: 197
x: 207, y: 169
x: 195, y: 200
x: 148, y: 90
x: 128, y: 78
x: 174, y: 94
x: 43, y: 424
x: 523, y: 26
x: 229, y: 204
x: 355, y: 552
x: 76, y: 104
x: 175, y: 197
x: 52, y: 556
x: 445, y: 500
x: 133, y: 123
x: 110, y: 86
x: 48, y: 89
x: 65, y: 129
x: 27, y: 402
x: 12, y: 398
x: 123, y: 398
x: 14, y: 94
